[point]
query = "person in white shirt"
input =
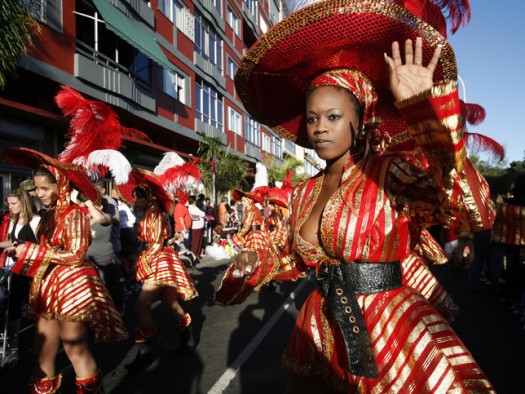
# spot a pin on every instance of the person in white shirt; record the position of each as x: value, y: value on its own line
x: 197, y: 226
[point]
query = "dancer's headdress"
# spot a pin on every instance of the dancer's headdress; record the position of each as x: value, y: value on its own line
x: 95, y: 136
x: 260, y: 187
x: 281, y: 195
x: 342, y: 42
x: 171, y: 178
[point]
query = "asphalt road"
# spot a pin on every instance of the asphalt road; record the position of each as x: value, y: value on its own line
x: 240, y: 346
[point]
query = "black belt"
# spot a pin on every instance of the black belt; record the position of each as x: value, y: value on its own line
x: 340, y: 283
x: 254, y: 228
x: 271, y: 227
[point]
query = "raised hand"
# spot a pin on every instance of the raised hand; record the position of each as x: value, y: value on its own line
x: 411, y: 78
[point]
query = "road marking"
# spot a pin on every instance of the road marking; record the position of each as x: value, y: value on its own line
x: 232, y: 370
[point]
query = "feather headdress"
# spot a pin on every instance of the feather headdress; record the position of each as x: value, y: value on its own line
x: 280, y: 195
x: 95, y: 136
x: 178, y: 177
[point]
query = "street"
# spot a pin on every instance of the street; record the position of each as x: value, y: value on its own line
x: 240, y: 346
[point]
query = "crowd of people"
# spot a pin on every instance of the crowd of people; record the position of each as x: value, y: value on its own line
x: 382, y: 109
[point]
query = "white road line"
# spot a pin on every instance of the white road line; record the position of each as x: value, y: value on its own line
x: 232, y: 370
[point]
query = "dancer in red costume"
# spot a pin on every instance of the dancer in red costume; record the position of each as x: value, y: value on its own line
x: 67, y: 297
x: 251, y: 238
x: 390, y: 130
x: 159, y: 268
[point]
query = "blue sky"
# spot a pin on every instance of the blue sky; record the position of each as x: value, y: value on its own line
x: 490, y: 53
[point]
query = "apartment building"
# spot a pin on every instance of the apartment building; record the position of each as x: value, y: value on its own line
x: 165, y: 66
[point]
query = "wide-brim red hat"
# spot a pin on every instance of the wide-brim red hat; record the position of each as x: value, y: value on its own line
x: 256, y: 195
x: 140, y: 177
x: 275, y: 74
x: 73, y: 173
x: 278, y: 196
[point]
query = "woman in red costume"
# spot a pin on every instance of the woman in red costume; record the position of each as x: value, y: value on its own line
x: 67, y: 297
x: 159, y: 268
x: 391, y: 132
x: 251, y: 237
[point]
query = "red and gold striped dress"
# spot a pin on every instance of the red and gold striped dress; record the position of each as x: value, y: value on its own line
x: 65, y: 285
x: 369, y: 219
x: 160, y: 265
x: 234, y: 290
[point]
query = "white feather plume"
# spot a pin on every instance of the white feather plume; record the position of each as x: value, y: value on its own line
x: 261, y: 176
x: 169, y: 160
x: 115, y: 161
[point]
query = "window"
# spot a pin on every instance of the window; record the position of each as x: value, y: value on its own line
x: 108, y: 48
x: 208, y: 44
x: 168, y: 8
x: 37, y: 8
x: 231, y: 67
x: 263, y: 25
x: 310, y: 169
x: 251, y: 131
x: 252, y: 6
x: 234, y: 21
x: 290, y: 146
x: 208, y: 105
x: 217, y: 4
x: 266, y: 143
x: 174, y: 85
x: 277, y: 147
x: 274, y: 12
x: 234, y: 121
x: 180, y: 16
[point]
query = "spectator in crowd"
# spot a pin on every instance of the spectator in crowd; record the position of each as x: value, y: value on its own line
x: 114, y: 213
x: 197, y: 226
x: 22, y: 228
x: 29, y: 187
x: 127, y: 221
x: 182, y: 219
x: 101, y: 250
x: 222, y: 214
x: 210, y: 218
x: 185, y: 255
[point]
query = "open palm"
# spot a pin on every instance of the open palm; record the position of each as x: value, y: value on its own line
x: 411, y: 78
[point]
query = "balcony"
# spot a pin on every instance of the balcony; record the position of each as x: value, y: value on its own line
x: 100, y: 71
x: 289, y: 148
x: 210, y: 131
x: 252, y: 151
x: 209, y: 68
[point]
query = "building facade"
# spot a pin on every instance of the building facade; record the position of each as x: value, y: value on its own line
x: 165, y: 66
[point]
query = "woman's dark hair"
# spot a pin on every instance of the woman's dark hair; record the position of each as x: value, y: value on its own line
x: 105, y: 206
x: 43, y: 171
x: 140, y: 192
x: 191, y: 199
x: 201, y: 206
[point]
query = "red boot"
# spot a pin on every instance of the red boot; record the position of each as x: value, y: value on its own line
x: 89, y: 384
x: 188, y: 343
x: 143, y: 337
x: 47, y: 385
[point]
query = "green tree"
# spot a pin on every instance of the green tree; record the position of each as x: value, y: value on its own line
x: 17, y: 26
x: 277, y: 174
x: 231, y: 169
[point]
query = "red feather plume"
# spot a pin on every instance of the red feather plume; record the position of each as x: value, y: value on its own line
x: 432, y: 12
x: 93, y: 126
x: 287, y: 185
x: 481, y: 142
x: 474, y: 114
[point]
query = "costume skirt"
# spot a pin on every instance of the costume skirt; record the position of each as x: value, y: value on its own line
x: 76, y: 293
x: 234, y: 290
x: 167, y: 270
x: 416, y: 351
